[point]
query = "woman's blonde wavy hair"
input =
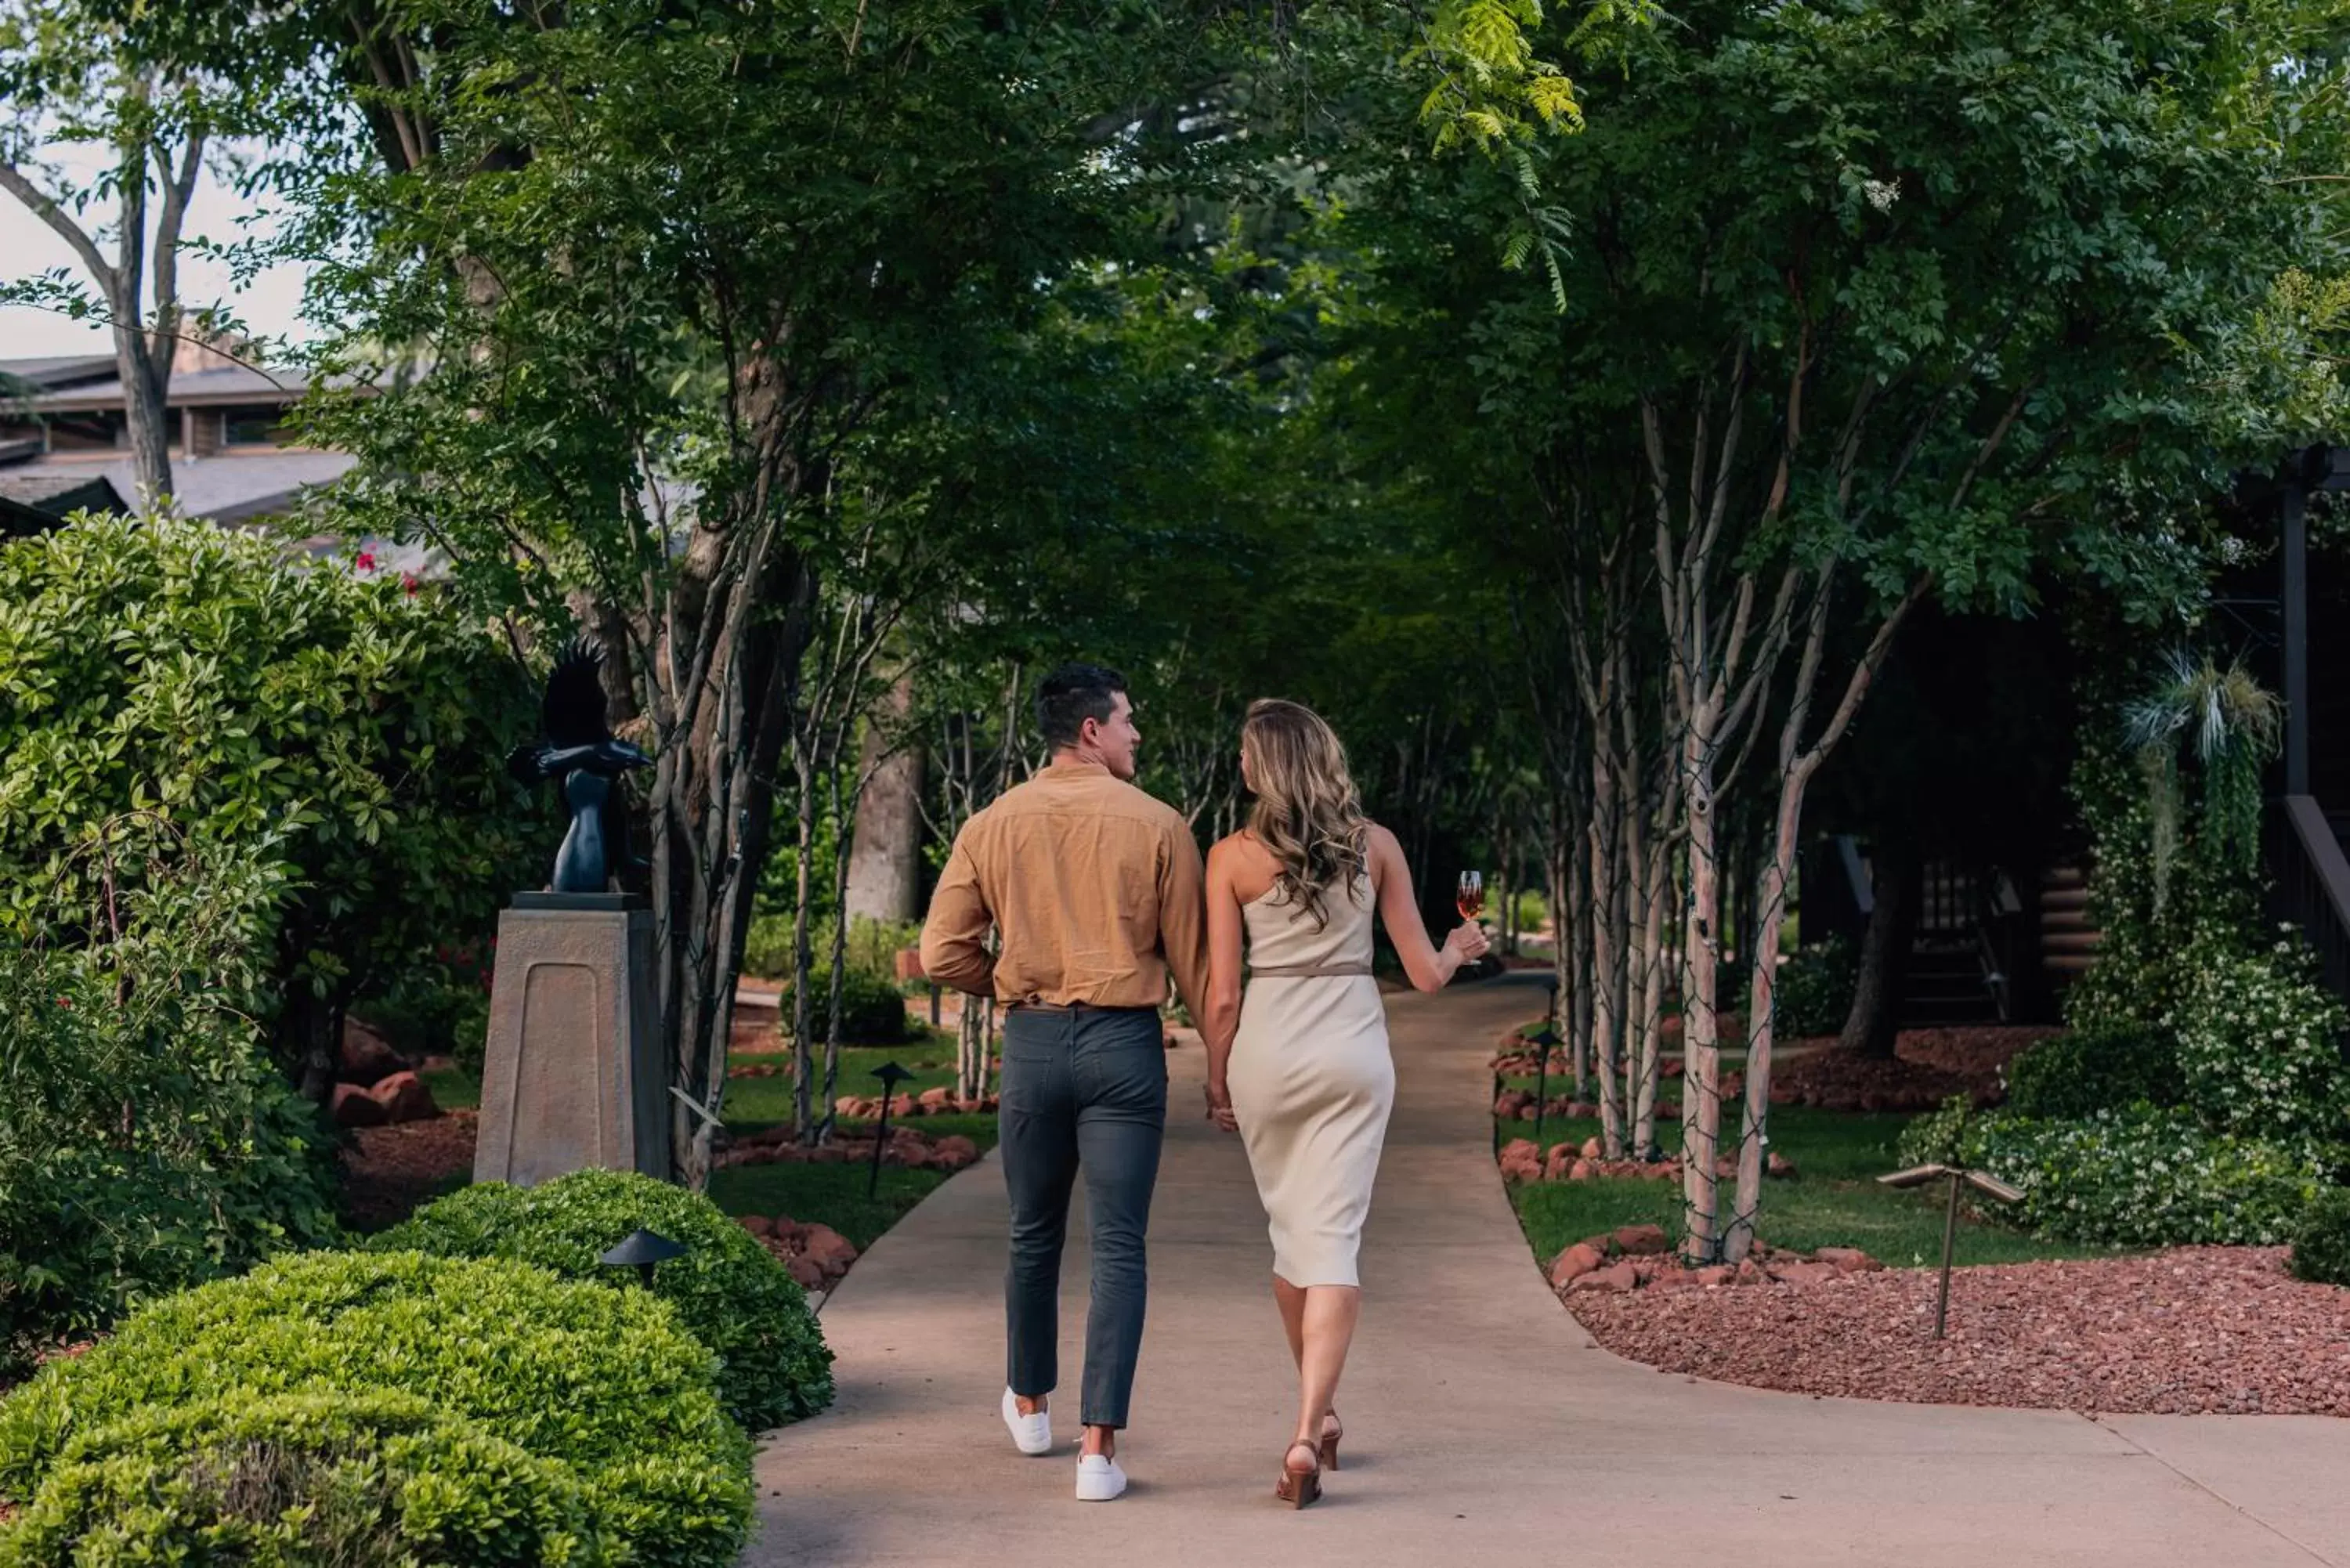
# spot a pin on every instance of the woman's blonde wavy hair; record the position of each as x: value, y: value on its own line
x: 1307, y: 812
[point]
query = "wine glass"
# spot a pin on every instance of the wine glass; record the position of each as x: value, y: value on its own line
x: 1469, y: 900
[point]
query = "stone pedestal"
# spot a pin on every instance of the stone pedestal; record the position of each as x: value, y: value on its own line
x: 574, y: 1074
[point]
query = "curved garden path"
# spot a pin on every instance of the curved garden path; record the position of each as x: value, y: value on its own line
x: 1481, y: 1425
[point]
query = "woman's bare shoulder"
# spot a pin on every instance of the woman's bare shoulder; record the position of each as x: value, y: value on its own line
x: 1380, y: 841
x: 1245, y: 863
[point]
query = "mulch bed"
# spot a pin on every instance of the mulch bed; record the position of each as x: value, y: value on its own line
x: 1928, y: 1067
x: 2192, y: 1330
x: 389, y: 1171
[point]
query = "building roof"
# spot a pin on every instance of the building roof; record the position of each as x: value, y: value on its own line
x: 227, y: 488
x: 188, y: 388
x: 54, y: 371
x: 56, y: 492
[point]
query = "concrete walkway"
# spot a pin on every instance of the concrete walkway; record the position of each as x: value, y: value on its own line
x: 1482, y: 1426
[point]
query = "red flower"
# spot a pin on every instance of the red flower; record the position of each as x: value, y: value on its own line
x: 408, y: 582
x: 65, y: 1001
x: 366, y: 561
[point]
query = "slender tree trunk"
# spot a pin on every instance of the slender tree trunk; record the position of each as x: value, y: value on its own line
x: 1871, y: 1026
x: 803, y: 1063
x: 1608, y: 955
x: 840, y: 862
x: 885, y: 873
x: 1797, y: 767
x: 1656, y: 899
x: 1700, y: 999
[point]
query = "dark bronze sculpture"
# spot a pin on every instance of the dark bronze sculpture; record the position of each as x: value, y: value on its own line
x: 578, y: 748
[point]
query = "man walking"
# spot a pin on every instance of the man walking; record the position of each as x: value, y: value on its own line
x: 1096, y: 894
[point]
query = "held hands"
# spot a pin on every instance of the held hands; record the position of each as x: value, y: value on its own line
x: 1219, y: 1106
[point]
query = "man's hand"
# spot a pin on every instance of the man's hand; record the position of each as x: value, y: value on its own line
x: 1220, y: 1107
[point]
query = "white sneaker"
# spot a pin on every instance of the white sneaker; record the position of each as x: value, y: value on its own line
x: 1098, y: 1480
x: 1033, y: 1434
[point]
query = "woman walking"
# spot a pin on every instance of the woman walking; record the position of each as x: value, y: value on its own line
x: 1300, y: 1067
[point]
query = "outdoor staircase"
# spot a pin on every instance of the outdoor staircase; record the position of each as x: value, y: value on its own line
x: 2068, y: 942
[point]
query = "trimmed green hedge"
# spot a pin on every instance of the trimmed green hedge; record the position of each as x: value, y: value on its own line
x: 602, y: 1381
x: 302, y: 1478
x: 2091, y: 1070
x: 2321, y: 1242
x: 730, y: 1292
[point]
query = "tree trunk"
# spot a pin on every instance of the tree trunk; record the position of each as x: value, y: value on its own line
x: 725, y: 686
x: 147, y: 418
x: 885, y: 871
x: 1797, y: 767
x: 1701, y: 1000
x: 1607, y: 955
x: 1874, y: 1022
x: 804, y: 1066
x: 840, y: 959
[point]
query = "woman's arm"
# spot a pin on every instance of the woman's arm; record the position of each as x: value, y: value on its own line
x: 1427, y: 966
x: 1220, y: 1020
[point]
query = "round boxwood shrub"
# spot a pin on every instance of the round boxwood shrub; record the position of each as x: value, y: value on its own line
x: 1813, y: 990
x: 291, y: 1479
x: 730, y: 1292
x: 2321, y: 1241
x: 602, y: 1381
x: 2091, y: 1070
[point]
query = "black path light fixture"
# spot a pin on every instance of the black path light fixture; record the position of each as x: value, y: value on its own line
x: 1545, y: 1041
x: 1983, y: 1182
x: 891, y: 1076
x: 640, y: 1250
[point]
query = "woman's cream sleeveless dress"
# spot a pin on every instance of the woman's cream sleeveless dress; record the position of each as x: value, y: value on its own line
x: 1311, y: 1078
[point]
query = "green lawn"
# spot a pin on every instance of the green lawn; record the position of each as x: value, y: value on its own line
x: 831, y: 1194
x: 1832, y: 1200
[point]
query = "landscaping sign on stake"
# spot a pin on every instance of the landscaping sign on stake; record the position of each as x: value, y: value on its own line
x: 1917, y: 1176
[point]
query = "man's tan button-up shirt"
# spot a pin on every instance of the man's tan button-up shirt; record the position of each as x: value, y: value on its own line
x: 1094, y: 888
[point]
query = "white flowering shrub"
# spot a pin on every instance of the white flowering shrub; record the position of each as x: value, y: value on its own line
x: 2137, y: 1178
x: 2259, y: 1043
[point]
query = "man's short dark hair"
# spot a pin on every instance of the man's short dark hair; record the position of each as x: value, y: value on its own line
x: 1072, y: 694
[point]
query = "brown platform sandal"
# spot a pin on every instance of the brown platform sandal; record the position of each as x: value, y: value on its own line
x: 1332, y: 1430
x: 1298, y: 1488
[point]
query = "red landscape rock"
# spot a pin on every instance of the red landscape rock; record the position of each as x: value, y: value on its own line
x: 757, y: 1224
x: 1573, y: 1264
x: 1641, y: 1240
x: 1779, y: 1165
x: 957, y: 1148
x: 353, y: 1106
x: 828, y: 1248
x: 1581, y: 1171
x: 1848, y: 1260
x: 1713, y: 1275
x: 1799, y: 1273
x: 935, y: 1100
x: 365, y: 1057
x: 405, y: 1098
x: 805, y: 1270
x: 1591, y: 1149
x: 1615, y: 1278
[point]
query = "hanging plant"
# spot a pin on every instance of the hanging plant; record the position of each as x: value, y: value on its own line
x: 2232, y: 725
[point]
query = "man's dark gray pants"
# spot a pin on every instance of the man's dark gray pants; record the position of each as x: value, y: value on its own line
x: 1084, y: 1088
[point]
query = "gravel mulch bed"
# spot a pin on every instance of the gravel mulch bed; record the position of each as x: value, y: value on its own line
x: 1928, y: 1067
x: 2189, y: 1331
x: 389, y: 1171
